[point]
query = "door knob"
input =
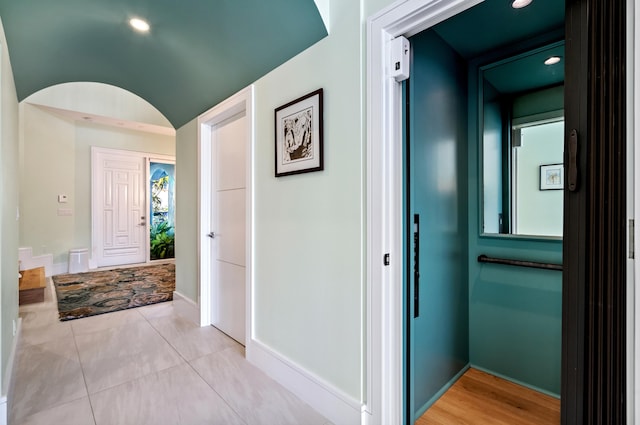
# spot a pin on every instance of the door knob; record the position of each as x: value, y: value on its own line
x: 211, y: 235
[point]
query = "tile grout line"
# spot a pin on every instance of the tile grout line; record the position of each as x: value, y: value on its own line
x: 89, y: 394
x: 84, y: 378
x: 141, y: 376
x: 213, y: 389
x: 163, y: 337
x: 25, y: 345
x: 196, y: 371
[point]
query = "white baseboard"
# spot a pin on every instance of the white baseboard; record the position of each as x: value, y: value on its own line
x: 332, y: 403
x: 8, y: 380
x: 186, y: 307
x: 4, y: 411
x: 28, y: 261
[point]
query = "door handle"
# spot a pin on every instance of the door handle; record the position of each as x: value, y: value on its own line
x: 416, y: 265
x: 211, y: 235
x: 573, y: 161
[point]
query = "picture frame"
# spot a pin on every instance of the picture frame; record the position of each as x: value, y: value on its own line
x: 299, y: 135
x: 552, y: 177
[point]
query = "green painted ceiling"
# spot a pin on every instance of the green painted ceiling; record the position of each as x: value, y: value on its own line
x: 493, y: 27
x: 197, y: 53
x: 494, y: 24
x: 527, y: 72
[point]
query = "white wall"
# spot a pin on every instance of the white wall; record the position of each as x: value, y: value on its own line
x: 101, y: 100
x: 309, y: 228
x: 8, y: 213
x: 56, y: 159
x: 187, y: 211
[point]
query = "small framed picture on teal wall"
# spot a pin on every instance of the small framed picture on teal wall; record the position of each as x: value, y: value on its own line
x: 298, y: 138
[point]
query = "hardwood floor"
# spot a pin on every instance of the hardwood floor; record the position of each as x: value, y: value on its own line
x: 479, y: 398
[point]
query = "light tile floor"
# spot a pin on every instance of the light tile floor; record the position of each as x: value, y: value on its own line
x: 147, y: 365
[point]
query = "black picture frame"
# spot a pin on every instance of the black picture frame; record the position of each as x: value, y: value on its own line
x: 299, y: 135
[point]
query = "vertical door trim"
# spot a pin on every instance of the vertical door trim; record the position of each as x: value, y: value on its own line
x: 633, y: 156
x: 383, y: 377
x: 241, y: 101
x: 163, y: 159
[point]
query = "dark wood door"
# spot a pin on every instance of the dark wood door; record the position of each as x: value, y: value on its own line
x: 594, y: 254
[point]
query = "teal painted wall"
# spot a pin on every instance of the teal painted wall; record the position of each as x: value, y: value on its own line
x: 515, y: 314
x: 437, y: 189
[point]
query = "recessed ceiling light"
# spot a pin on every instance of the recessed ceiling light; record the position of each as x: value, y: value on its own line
x: 552, y: 60
x: 519, y: 4
x: 139, y: 24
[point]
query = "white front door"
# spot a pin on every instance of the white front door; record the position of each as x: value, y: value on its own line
x: 228, y: 226
x: 120, y: 227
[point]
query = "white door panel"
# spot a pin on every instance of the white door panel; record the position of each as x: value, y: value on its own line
x: 120, y: 233
x: 228, y: 306
x: 231, y: 226
x: 228, y: 223
x: 231, y: 172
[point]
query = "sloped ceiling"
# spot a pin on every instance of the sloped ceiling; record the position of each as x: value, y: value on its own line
x: 198, y: 52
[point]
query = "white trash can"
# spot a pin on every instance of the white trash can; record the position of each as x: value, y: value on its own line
x: 78, y: 260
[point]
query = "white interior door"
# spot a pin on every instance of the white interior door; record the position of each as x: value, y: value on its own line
x: 228, y: 226
x: 119, y: 209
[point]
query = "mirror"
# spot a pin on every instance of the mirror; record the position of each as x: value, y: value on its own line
x: 522, y: 131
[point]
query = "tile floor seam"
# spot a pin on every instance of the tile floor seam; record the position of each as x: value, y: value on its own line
x: 170, y: 326
x: 214, y: 390
x: 134, y: 379
x: 84, y: 378
x: 139, y: 377
x: 167, y: 341
x: 89, y: 393
x: 198, y: 373
x: 54, y: 406
x: 57, y: 404
x: 166, y: 370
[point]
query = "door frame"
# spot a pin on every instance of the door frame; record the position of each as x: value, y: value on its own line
x: 633, y: 210
x: 384, y: 391
x: 96, y: 217
x: 162, y: 159
x: 242, y: 101
x: 384, y: 351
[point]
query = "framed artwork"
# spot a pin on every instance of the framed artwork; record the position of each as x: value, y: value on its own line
x: 552, y: 177
x: 299, y: 135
